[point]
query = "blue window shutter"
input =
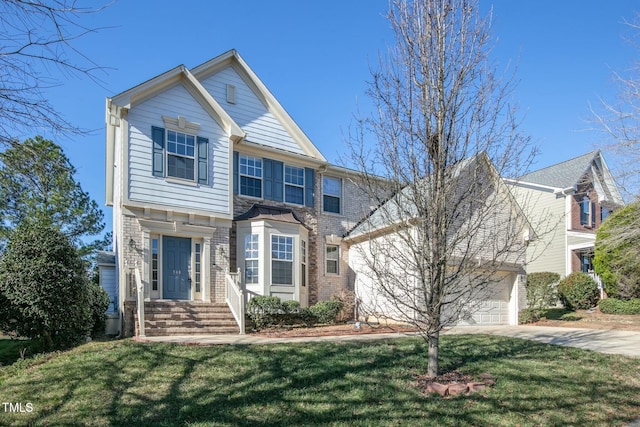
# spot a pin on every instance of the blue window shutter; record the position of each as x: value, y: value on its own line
x: 593, y: 214
x: 278, y: 181
x: 273, y: 180
x: 203, y: 157
x: 267, y: 181
x: 236, y: 166
x: 309, y: 185
x: 157, y: 136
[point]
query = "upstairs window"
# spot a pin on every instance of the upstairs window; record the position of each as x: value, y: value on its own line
x: 331, y: 194
x: 604, y: 213
x: 294, y: 185
x: 181, y: 150
x: 179, y: 155
x: 251, y: 176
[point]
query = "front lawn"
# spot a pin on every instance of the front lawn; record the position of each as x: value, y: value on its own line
x: 128, y: 383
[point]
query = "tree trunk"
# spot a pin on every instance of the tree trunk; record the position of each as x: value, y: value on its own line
x: 432, y: 366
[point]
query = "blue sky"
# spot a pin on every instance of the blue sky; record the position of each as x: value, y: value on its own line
x: 315, y: 58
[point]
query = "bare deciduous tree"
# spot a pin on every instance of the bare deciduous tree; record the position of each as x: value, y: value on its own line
x: 620, y: 119
x: 36, y: 42
x: 444, y: 134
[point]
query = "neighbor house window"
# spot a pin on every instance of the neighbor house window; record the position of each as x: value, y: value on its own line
x: 250, y: 176
x: 331, y: 258
x: 180, y: 155
x: 198, y: 251
x: 154, y: 264
x: 294, y: 185
x: 331, y: 194
x: 251, y: 258
x: 281, y: 260
x: 587, y: 212
x: 586, y: 263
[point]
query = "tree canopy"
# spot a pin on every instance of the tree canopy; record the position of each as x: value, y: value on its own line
x: 617, y: 253
x: 37, y: 185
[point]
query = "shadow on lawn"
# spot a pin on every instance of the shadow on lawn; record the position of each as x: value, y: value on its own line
x: 306, y: 384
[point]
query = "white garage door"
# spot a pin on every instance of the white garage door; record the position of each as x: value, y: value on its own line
x: 494, y: 310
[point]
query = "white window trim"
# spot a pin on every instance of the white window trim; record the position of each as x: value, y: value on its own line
x: 327, y: 259
x: 341, y: 207
x: 285, y: 183
x: 291, y: 261
x: 194, y: 158
x: 240, y: 175
x: 257, y: 259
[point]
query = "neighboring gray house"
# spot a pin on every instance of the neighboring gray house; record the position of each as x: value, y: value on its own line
x: 485, y: 279
x: 567, y: 202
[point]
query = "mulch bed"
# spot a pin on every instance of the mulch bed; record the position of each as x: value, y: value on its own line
x: 328, y: 330
x: 453, y: 383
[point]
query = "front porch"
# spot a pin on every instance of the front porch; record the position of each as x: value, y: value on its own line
x: 167, y: 318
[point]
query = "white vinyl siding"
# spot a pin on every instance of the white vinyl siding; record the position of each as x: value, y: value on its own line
x: 546, y: 213
x: 249, y: 112
x: 108, y: 282
x: 144, y: 187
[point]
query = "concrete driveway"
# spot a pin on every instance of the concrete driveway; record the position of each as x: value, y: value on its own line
x: 604, y: 341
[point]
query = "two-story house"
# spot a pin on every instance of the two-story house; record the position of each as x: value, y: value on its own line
x: 207, y: 174
x: 567, y: 202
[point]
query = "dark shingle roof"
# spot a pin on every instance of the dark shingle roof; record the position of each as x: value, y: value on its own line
x: 106, y: 258
x: 275, y: 213
x: 562, y: 175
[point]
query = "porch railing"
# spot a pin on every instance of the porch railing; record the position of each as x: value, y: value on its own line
x: 235, y: 298
x: 140, y: 302
x: 598, y: 280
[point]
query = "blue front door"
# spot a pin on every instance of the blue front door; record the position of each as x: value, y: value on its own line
x: 176, y: 259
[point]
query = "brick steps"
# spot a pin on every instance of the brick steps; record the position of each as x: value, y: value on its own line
x: 162, y: 318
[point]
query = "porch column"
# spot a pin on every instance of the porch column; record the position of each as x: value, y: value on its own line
x: 205, y: 273
x: 146, y: 263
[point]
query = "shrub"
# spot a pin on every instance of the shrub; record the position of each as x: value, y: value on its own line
x: 326, y: 311
x: 348, y: 299
x: 291, y: 306
x: 529, y: 315
x: 263, y: 310
x: 617, y: 306
x: 98, y: 304
x: 44, y: 287
x: 578, y: 291
x: 616, y: 253
x: 542, y: 290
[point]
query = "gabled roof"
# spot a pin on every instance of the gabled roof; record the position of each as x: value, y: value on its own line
x: 573, y: 172
x: 179, y: 74
x: 564, y: 174
x: 399, y: 209
x: 232, y: 58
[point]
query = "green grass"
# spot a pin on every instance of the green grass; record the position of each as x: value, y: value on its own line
x: 128, y: 383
